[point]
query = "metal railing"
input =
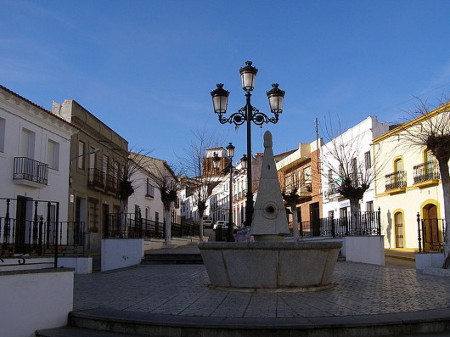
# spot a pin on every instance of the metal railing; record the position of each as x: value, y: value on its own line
x: 431, y: 234
x: 395, y: 180
x: 112, y: 184
x: 96, y: 178
x: 31, y: 170
x: 426, y: 171
x: 32, y: 228
x: 131, y: 225
x: 362, y: 224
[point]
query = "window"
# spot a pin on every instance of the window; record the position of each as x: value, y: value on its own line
x: 92, y: 158
x: 150, y: 190
x: 116, y: 169
x: 307, y: 175
x: 53, y: 155
x: 105, y: 163
x: 27, y: 144
x: 354, y: 170
x: 369, y: 206
x: 2, y: 134
x: 341, y: 171
x: 367, y: 160
x: 330, y: 176
x: 343, y: 213
x: 398, y: 165
x: 81, y: 150
x: 287, y: 183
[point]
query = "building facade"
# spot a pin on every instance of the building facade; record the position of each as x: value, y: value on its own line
x: 301, y: 170
x: 34, y: 161
x: 98, y: 156
x: 409, y: 188
x: 350, y: 154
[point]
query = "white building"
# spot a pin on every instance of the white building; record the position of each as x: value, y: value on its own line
x: 356, y: 143
x: 146, y: 182
x: 34, y: 161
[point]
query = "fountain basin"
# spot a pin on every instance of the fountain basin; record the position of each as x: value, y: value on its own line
x: 270, y: 265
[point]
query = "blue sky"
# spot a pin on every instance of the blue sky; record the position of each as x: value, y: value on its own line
x: 146, y: 68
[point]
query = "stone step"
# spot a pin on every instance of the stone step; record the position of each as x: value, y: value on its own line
x: 172, y: 258
x: 115, y: 323
x: 78, y: 332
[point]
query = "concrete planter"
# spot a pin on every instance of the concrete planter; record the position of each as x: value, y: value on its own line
x: 270, y: 265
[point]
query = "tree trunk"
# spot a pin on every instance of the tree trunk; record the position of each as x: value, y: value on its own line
x: 445, y: 180
x: 167, y: 226
x: 354, y: 216
x: 201, y: 229
x: 294, y: 221
x: 123, y: 208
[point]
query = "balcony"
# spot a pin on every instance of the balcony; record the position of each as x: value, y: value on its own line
x: 111, y: 184
x: 331, y: 192
x: 395, y: 182
x: 96, y: 179
x: 426, y: 174
x: 30, y: 172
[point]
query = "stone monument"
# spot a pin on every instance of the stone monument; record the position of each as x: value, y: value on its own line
x: 269, y: 222
x: 270, y: 262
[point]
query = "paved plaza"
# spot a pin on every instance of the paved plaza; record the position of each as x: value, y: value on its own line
x: 182, y: 291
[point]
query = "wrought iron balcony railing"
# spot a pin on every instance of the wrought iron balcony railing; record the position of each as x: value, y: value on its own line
x: 96, y: 178
x: 396, y: 180
x: 425, y: 172
x: 112, y: 184
x: 30, y: 170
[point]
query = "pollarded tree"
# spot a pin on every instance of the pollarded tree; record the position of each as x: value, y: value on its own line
x: 290, y: 192
x: 347, y: 161
x: 430, y: 129
x: 200, y: 169
x: 125, y: 175
x: 167, y: 183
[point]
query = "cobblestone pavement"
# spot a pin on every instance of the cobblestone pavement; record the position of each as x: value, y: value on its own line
x: 359, y: 289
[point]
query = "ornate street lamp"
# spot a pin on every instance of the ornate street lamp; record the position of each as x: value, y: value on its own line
x: 248, y: 114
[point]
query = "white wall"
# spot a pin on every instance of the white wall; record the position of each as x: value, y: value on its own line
x: 364, y: 249
x: 34, y: 300
x: 81, y: 265
x: 121, y: 253
x: 138, y: 197
x: 358, y: 140
x: 429, y: 260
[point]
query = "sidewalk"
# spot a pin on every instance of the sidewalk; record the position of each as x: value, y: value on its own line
x: 360, y: 289
x: 401, y: 253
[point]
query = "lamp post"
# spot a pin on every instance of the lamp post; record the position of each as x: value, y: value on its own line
x: 216, y: 160
x: 248, y: 114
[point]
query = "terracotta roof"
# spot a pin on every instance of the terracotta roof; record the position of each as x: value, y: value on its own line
x: 36, y: 106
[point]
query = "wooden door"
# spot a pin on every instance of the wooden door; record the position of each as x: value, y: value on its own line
x: 399, y: 230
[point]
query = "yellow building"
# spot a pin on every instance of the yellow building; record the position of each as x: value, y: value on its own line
x: 408, y: 185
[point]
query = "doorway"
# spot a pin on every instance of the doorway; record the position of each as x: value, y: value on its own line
x: 21, y: 225
x: 430, y: 228
x: 315, y: 218
x: 399, y: 230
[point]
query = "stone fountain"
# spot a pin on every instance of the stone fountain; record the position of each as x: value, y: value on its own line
x: 270, y: 262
